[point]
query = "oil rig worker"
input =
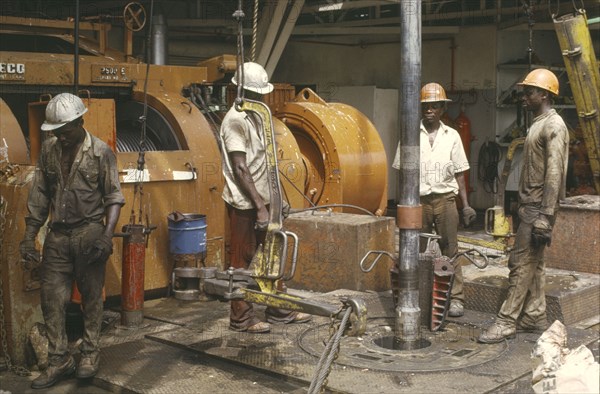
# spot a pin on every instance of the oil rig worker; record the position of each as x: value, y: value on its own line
x: 76, y: 184
x: 541, y: 185
x: 443, y: 163
x: 247, y: 195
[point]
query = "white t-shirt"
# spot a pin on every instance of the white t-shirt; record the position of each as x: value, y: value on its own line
x: 440, y: 162
x: 241, y: 132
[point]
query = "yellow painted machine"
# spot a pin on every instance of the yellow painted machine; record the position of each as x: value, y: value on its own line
x: 327, y: 153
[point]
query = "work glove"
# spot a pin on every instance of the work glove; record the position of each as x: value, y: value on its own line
x: 100, y: 250
x: 28, y: 251
x: 541, y: 234
x: 261, y: 226
x: 469, y: 216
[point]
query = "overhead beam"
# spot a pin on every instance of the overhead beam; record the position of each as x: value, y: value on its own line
x: 283, y: 38
x: 347, y: 5
x: 267, y: 45
x: 324, y: 31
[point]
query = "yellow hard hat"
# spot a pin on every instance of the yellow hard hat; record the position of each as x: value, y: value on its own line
x: 543, y: 79
x: 433, y: 92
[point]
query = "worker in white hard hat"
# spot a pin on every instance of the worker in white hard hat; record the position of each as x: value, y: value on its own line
x: 246, y: 194
x: 76, y: 187
x: 541, y: 185
x: 442, y: 169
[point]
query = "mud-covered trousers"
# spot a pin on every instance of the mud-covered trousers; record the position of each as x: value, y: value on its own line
x: 64, y: 259
x: 526, y: 279
x: 439, y: 212
x: 243, y: 244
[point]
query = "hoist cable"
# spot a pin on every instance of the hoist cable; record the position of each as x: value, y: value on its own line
x: 530, y: 22
x: 239, y: 16
x: 254, y: 31
x: 297, y: 189
x: 139, y: 176
x: 489, y: 157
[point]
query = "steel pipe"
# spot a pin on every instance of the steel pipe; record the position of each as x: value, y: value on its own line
x: 408, y: 313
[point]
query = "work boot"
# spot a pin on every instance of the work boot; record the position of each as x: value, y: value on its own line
x: 53, y: 374
x: 497, y: 332
x: 538, y: 327
x: 255, y: 327
x: 456, y: 309
x: 301, y: 318
x: 88, y: 365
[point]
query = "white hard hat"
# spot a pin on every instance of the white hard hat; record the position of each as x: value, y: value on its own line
x: 62, y: 109
x: 255, y: 78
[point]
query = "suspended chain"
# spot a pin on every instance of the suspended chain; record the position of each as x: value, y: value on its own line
x: 254, y: 31
x: 323, y: 369
x: 238, y: 15
x: 21, y: 371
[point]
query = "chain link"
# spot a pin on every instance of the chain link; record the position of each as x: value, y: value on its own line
x: 21, y: 371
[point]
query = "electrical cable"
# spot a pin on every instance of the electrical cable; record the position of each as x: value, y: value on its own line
x: 488, y: 159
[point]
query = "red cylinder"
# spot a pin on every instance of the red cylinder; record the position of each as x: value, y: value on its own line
x: 463, y: 126
x: 132, y: 282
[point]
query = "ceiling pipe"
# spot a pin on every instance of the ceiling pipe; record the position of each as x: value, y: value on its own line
x: 159, y: 40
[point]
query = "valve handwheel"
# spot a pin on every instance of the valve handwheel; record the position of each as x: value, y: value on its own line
x: 134, y: 16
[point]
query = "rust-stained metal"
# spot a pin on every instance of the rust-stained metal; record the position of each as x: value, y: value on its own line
x: 332, y: 246
x: 190, y: 176
x: 12, y: 135
x: 292, y: 171
x: 443, y: 275
x: 218, y: 67
x: 409, y: 216
x: 135, y: 237
x: 341, y: 150
x: 329, y: 152
x: 21, y: 306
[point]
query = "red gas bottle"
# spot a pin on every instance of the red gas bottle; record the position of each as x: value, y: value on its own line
x: 463, y: 126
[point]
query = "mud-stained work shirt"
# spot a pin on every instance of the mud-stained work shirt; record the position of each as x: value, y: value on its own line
x: 439, y: 163
x: 545, y: 157
x: 241, y: 132
x: 92, y: 185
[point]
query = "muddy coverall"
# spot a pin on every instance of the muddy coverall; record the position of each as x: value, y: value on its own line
x: 76, y: 208
x: 541, y: 186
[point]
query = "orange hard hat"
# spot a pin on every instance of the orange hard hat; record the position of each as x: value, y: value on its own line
x: 433, y: 92
x: 543, y: 79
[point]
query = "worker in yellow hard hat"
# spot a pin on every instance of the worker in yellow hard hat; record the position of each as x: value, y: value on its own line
x: 443, y: 164
x: 542, y: 184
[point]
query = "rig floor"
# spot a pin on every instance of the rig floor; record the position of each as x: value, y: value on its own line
x: 186, y: 347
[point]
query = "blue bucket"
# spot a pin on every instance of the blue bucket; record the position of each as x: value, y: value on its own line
x: 188, y: 235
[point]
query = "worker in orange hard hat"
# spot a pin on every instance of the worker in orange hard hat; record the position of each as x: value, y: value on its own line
x: 541, y: 186
x: 443, y: 164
